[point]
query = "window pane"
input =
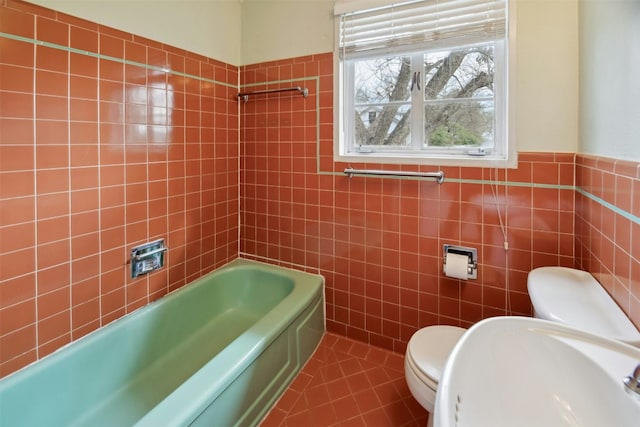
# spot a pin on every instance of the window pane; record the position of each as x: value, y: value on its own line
x: 383, y: 125
x: 459, y: 124
x: 382, y: 98
x: 382, y: 80
x: 462, y: 73
x: 458, y: 95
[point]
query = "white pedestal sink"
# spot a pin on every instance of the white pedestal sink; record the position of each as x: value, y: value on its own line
x: 518, y: 371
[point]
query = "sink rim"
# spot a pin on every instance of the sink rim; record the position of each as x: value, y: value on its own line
x: 591, y: 346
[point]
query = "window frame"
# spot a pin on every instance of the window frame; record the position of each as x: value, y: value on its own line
x: 505, y: 152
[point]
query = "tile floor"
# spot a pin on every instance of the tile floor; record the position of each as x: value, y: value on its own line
x: 348, y: 383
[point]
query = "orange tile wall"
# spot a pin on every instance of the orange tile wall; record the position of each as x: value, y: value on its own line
x: 97, y: 156
x: 378, y: 241
x: 608, y: 227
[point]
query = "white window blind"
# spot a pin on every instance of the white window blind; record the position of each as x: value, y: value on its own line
x: 418, y: 24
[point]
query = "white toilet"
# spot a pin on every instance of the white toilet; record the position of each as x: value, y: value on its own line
x: 575, y: 298
x: 427, y: 353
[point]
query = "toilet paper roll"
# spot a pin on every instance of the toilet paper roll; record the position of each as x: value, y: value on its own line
x: 456, y: 266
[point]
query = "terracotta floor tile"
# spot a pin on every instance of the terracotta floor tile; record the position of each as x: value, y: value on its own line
x: 347, y: 383
x: 351, y: 367
x: 398, y: 413
x: 387, y: 393
x: 359, y: 350
x: 346, y: 407
x: 378, y: 418
x: 318, y: 379
x: 314, y: 364
x: 340, y: 356
x: 324, y: 415
x: 295, y: 420
x: 317, y: 396
x: 377, y: 355
x: 329, y: 340
x: 367, y: 364
x: 401, y: 387
x: 359, y: 382
x: 395, y: 361
x: 353, y: 422
x: 301, y: 382
x: 331, y: 372
x: 300, y: 406
x: 367, y: 400
x: 378, y: 375
x: 343, y: 345
x: 339, y: 388
x: 415, y: 408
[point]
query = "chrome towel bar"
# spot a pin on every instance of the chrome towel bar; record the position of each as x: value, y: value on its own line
x: 245, y: 95
x: 438, y: 176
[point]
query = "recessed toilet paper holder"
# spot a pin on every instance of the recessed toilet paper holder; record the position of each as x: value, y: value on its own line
x: 472, y: 255
x: 147, y: 257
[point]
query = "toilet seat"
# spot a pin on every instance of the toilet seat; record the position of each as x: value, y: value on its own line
x: 429, y: 349
x: 420, y: 375
x: 425, y: 358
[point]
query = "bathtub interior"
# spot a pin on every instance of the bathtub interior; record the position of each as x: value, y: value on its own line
x: 119, y: 373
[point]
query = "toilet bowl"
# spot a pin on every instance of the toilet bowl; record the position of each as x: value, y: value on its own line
x: 575, y: 298
x: 427, y: 353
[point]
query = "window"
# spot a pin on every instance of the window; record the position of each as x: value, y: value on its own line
x: 423, y: 82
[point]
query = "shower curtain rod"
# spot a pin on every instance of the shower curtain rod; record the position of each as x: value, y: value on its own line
x: 245, y: 95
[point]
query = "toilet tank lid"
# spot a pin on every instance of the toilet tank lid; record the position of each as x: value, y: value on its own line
x: 575, y: 298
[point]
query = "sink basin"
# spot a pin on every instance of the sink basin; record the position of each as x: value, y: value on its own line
x: 519, y: 371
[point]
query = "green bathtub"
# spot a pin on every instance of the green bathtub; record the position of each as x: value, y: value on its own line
x: 218, y: 352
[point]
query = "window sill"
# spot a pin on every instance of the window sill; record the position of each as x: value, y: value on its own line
x: 434, y: 160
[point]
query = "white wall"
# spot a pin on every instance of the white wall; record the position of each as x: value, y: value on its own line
x: 279, y: 29
x: 610, y: 78
x: 208, y: 27
x: 547, y: 77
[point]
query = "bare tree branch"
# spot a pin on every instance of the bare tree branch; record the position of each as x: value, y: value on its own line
x: 401, y: 131
x: 481, y: 80
x: 449, y: 66
x: 400, y: 92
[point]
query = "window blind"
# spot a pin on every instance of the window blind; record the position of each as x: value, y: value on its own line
x: 419, y: 25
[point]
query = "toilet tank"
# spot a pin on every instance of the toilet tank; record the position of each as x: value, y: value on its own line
x: 575, y: 298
